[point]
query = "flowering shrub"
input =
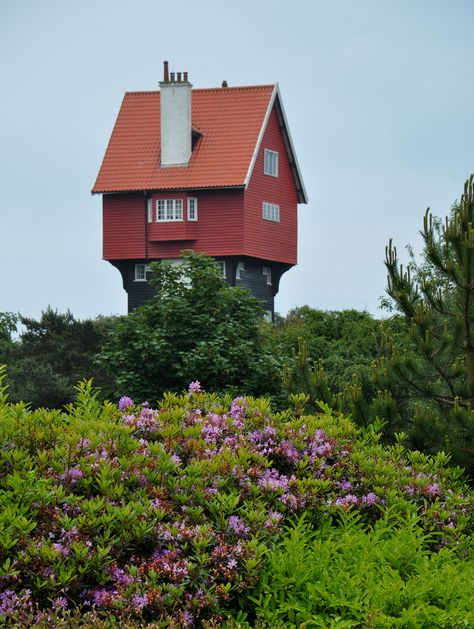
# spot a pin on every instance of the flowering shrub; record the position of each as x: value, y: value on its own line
x: 166, y: 515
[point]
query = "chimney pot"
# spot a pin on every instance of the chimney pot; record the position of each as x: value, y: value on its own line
x: 166, y: 76
x: 172, y: 77
x: 224, y: 84
x: 179, y: 77
x: 185, y: 76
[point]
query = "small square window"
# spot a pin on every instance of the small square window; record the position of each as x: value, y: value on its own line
x: 168, y: 210
x: 271, y: 212
x: 270, y: 163
x: 140, y: 272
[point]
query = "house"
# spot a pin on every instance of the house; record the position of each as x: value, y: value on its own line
x: 213, y: 170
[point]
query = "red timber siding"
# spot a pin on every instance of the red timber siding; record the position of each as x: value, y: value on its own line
x: 265, y: 239
x: 124, y: 226
x: 219, y: 227
x: 218, y: 231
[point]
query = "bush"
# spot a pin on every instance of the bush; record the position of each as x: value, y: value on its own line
x: 355, y: 576
x: 168, y: 515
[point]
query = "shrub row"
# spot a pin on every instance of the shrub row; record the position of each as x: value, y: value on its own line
x: 173, y: 515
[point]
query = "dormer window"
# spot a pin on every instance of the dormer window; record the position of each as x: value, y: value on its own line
x: 270, y: 163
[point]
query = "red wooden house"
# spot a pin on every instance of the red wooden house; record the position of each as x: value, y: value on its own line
x: 212, y: 170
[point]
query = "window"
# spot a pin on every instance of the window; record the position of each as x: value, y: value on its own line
x: 267, y: 315
x: 150, y: 210
x: 271, y: 212
x: 238, y: 272
x: 169, y: 210
x: 174, y: 261
x: 192, y: 209
x: 221, y: 265
x: 140, y: 272
x: 270, y: 163
x: 267, y: 271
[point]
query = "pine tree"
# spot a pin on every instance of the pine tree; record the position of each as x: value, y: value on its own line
x: 433, y: 378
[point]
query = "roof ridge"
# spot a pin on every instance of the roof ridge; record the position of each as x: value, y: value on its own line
x: 212, y: 89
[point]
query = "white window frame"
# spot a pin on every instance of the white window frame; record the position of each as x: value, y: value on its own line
x: 270, y: 163
x: 267, y: 271
x: 222, y: 266
x: 267, y: 315
x: 239, y: 269
x: 169, y: 210
x: 271, y: 212
x: 150, y: 210
x: 192, y: 209
x: 141, y: 269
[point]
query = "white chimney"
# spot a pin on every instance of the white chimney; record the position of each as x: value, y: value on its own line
x: 175, y: 112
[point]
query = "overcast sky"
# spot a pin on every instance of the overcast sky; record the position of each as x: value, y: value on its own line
x: 378, y: 94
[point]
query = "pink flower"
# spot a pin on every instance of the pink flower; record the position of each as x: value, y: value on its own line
x: 237, y: 526
x: 195, y: 387
x: 125, y: 402
x: 370, y: 499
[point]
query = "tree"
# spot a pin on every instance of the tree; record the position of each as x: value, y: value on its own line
x: 345, y: 341
x: 421, y: 381
x: 330, y: 357
x: 196, y: 327
x: 51, y: 356
x: 434, y: 377
x: 8, y: 322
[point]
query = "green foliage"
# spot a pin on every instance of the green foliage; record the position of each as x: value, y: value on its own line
x: 432, y: 379
x: 354, y: 576
x: 51, y: 355
x: 8, y: 322
x: 173, y: 516
x: 344, y: 342
x: 332, y: 361
x: 195, y: 327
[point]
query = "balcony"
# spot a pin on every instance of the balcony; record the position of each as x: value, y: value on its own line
x: 173, y: 230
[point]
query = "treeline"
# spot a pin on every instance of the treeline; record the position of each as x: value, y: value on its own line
x: 411, y: 374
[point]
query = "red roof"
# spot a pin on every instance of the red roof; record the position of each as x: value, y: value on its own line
x: 230, y: 120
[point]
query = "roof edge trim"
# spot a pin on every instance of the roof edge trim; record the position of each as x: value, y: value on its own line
x: 260, y: 136
x: 168, y: 189
x: 302, y: 196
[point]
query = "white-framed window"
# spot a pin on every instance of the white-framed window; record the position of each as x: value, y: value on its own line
x: 267, y: 315
x: 271, y: 212
x: 150, y: 210
x: 221, y: 265
x: 239, y: 269
x: 192, y: 209
x: 270, y: 163
x: 267, y: 271
x: 169, y: 210
x: 174, y: 261
x: 140, y: 272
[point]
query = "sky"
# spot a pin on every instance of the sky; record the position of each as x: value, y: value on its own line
x: 378, y: 95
